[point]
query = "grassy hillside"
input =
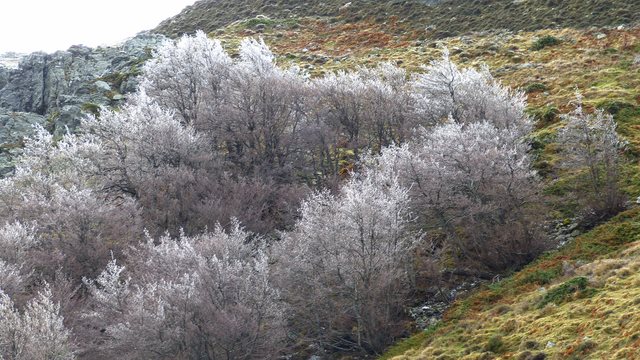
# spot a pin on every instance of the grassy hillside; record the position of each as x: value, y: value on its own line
x: 573, y: 303
x: 446, y: 18
x: 577, y: 302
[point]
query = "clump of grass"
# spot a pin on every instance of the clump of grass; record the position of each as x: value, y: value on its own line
x: 535, y: 87
x: 91, y: 108
x: 412, y: 342
x: 544, y: 115
x: 544, y: 42
x: 495, y: 345
x: 613, y: 107
x: 582, y: 349
x: 541, y: 276
x: 560, y: 294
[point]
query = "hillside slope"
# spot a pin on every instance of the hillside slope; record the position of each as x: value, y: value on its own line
x: 445, y: 18
x: 576, y: 302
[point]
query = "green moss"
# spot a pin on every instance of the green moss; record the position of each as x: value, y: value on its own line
x: 561, y: 293
x: 495, y: 345
x: 541, y: 276
x: 91, y: 108
x: 535, y: 87
x: 544, y: 42
x: 115, y: 79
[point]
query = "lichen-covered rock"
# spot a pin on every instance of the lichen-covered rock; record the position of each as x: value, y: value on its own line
x: 60, y: 84
x: 14, y: 127
x: 4, y: 76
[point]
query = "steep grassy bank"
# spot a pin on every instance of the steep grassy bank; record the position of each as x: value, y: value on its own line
x: 579, y: 302
x: 442, y: 19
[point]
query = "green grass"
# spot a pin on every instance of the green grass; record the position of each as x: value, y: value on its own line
x: 409, y: 343
x: 515, y: 316
x: 447, y: 19
x: 562, y: 292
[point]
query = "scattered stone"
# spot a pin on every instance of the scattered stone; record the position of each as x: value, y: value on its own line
x: 550, y: 344
x: 601, y: 36
x: 345, y: 6
x: 102, y: 85
x: 320, y: 59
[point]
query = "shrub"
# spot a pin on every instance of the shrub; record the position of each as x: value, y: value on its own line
x: 535, y: 87
x: 544, y: 115
x: 562, y: 292
x: 495, y: 345
x: 544, y: 42
x: 590, y: 142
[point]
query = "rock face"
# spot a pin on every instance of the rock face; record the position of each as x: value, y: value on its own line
x: 14, y: 126
x: 10, y: 60
x: 64, y: 86
x: 4, y: 76
x: 47, y: 82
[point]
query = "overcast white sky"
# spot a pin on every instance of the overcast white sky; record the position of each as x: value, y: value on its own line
x: 50, y: 25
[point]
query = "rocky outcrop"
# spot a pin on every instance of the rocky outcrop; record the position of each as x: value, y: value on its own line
x: 14, y: 127
x: 64, y: 86
x: 4, y: 76
x: 44, y: 83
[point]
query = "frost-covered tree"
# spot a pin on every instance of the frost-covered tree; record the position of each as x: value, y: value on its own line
x: 370, y: 106
x: 468, y: 166
x: 205, y: 297
x: 346, y: 266
x: 467, y: 96
x: 16, y: 239
x: 187, y: 76
x: 12, y: 279
x: 36, y: 333
x: 263, y: 113
x: 51, y: 191
x: 590, y: 141
x: 146, y: 153
x: 473, y: 182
